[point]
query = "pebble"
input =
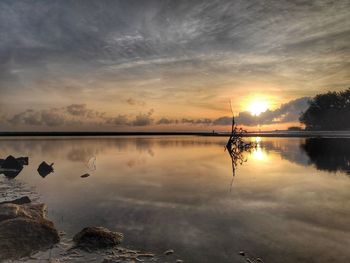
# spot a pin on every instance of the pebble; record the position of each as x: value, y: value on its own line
x: 241, y: 253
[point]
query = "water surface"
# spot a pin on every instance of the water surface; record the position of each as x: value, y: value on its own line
x: 289, y: 202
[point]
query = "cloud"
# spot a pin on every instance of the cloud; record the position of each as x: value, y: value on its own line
x: 288, y: 112
x: 132, y: 101
x: 143, y: 119
x: 54, y: 117
x: 80, y: 113
x: 165, y: 121
x: 167, y: 52
x: 223, y: 121
x: 83, y: 111
x: 30, y: 117
x: 77, y: 109
x: 204, y: 121
x: 120, y: 120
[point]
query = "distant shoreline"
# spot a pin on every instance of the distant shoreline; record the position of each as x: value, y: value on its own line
x: 301, y: 134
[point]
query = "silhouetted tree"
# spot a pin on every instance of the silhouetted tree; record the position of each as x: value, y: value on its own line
x: 329, y: 111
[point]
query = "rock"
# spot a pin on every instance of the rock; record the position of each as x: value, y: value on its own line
x: 169, y: 252
x: 9, y: 173
x: 19, y: 201
x: 11, y: 211
x: 44, y: 169
x: 11, y: 167
x: 97, y: 237
x: 24, y: 230
x: 20, y: 237
x: 179, y: 261
x: 23, y: 160
x: 31, y: 211
x: 241, y: 253
x: 85, y: 175
x: 11, y: 163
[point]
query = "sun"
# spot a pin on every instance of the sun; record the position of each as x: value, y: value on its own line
x: 258, y: 106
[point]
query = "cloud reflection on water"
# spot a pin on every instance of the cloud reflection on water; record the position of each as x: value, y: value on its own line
x: 178, y: 196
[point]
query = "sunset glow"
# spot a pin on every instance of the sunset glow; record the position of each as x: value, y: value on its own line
x: 258, y: 106
x: 167, y: 65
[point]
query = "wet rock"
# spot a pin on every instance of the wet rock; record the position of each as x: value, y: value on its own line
x: 169, y: 252
x: 11, y: 166
x: 97, y: 237
x: 241, y: 253
x: 20, y: 237
x: 11, y: 211
x: 85, y: 175
x: 23, y: 160
x: 24, y: 229
x: 11, y: 163
x: 31, y: 211
x: 10, y: 173
x: 19, y: 201
x: 44, y: 169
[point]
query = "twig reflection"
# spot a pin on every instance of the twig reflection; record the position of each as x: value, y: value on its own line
x: 236, y: 147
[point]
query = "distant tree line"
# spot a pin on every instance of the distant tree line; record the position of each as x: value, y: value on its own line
x: 328, y: 111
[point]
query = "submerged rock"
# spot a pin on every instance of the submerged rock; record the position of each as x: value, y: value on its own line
x: 44, y: 169
x: 97, y: 237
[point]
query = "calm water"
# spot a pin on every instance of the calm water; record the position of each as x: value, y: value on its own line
x: 290, y: 202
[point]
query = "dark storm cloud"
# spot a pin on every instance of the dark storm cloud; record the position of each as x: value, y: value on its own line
x: 288, y: 112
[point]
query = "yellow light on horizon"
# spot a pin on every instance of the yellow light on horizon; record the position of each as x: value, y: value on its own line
x: 258, y: 106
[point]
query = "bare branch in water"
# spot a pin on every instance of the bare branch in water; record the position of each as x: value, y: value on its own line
x: 236, y: 146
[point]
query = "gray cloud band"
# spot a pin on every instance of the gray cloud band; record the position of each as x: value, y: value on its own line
x: 80, y: 113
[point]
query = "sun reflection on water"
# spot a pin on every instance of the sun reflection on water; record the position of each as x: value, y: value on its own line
x: 258, y: 153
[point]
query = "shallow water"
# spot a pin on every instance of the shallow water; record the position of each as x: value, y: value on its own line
x: 289, y: 202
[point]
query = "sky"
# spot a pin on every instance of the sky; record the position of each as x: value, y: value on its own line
x: 168, y: 65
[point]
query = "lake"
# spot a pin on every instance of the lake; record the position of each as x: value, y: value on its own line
x: 289, y: 201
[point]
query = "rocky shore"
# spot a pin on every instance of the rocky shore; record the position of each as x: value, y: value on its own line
x: 26, y: 235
